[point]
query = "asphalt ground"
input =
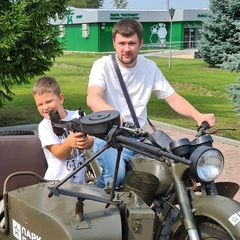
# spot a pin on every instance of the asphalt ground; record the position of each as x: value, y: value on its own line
x: 229, y: 148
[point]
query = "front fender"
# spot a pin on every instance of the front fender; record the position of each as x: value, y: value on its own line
x: 223, y: 210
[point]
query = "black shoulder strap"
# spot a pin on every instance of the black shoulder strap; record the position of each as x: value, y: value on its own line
x: 151, y: 125
x: 124, y: 89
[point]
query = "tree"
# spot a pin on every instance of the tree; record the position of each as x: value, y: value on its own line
x: 120, y: 3
x: 85, y: 3
x: 232, y: 63
x: 234, y: 90
x: 219, y: 34
x: 28, y: 43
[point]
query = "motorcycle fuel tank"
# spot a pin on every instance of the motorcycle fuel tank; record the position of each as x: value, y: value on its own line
x: 157, y: 168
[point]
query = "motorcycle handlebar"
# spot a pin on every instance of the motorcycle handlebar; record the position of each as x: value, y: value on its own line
x: 148, y: 150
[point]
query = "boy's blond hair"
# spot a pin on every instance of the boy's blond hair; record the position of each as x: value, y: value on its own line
x: 46, y: 85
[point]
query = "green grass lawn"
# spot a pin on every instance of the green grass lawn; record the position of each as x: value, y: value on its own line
x: 201, y: 85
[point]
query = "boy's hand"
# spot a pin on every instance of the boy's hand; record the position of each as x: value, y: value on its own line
x: 82, y: 141
x: 72, y: 139
x: 77, y: 140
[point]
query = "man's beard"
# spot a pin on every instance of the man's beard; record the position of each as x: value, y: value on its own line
x: 128, y: 61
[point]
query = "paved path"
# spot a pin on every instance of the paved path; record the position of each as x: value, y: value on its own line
x: 230, y: 149
x: 187, y: 53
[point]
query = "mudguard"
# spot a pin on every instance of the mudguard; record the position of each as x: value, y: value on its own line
x: 223, y: 210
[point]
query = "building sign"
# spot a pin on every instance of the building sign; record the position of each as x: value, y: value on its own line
x: 119, y: 16
x: 71, y: 18
x: 202, y: 15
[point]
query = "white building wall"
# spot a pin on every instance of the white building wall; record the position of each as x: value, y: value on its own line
x: 79, y: 16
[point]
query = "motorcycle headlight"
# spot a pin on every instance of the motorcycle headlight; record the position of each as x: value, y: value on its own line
x: 207, y: 163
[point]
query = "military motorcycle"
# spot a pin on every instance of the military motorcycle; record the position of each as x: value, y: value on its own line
x: 169, y: 192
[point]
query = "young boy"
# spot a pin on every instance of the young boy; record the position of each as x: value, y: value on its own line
x: 63, y: 153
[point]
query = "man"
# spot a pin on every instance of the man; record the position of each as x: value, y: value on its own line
x: 141, y: 77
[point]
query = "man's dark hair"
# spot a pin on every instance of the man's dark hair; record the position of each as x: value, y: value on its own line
x: 127, y: 27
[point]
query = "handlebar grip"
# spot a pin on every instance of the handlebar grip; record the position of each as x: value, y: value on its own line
x: 205, y: 125
x: 202, y: 128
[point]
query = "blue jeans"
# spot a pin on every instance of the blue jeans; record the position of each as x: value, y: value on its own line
x: 107, y: 161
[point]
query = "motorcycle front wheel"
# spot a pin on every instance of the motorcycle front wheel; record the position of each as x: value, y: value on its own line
x: 207, y: 231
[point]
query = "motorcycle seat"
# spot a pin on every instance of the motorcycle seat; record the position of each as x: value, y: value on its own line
x: 20, y: 153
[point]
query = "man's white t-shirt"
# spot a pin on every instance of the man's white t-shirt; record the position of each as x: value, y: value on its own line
x: 59, y: 169
x: 141, y: 80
